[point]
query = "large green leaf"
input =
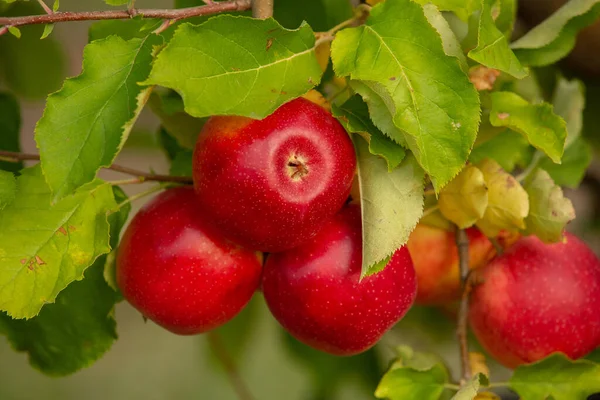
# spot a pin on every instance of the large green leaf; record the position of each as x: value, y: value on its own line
x: 30, y: 67
x: 554, y: 38
x: 86, y: 123
x: 556, y: 376
x: 449, y: 40
x: 544, y: 129
x: 432, y: 100
x: 549, y: 210
x: 354, y: 115
x: 8, y: 188
x: 10, y: 127
x: 507, y: 148
x: 45, y: 247
x: 462, y: 8
x: 72, y: 333
x: 237, y: 66
x: 492, y: 46
x: 574, y: 163
x: 391, y: 205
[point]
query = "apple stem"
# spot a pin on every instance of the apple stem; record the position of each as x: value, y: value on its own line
x: 220, y: 350
x: 462, y: 243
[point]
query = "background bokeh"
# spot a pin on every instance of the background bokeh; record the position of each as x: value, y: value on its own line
x: 149, y: 363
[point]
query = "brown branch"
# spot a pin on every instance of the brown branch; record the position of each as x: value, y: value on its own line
x: 140, y: 175
x: 223, y: 355
x: 462, y: 243
x: 262, y: 9
x: 172, y: 15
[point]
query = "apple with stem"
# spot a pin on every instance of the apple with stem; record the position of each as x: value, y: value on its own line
x: 315, y: 290
x: 178, y: 271
x: 536, y: 299
x: 270, y: 184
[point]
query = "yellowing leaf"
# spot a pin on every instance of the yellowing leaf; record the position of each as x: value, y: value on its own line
x: 317, y: 98
x: 478, y: 365
x: 487, y: 396
x: 464, y: 200
x: 508, y: 203
x: 322, y: 52
x: 550, y: 209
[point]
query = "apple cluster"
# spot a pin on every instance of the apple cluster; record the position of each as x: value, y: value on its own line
x: 269, y: 211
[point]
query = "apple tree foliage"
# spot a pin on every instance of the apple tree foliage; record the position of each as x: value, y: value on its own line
x: 439, y: 101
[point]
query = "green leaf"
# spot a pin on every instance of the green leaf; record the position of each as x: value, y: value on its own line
x: 507, y: 148
x: 168, y: 144
x: 8, y: 188
x: 86, y: 123
x: 48, y: 28
x: 127, y: 29
x: 354, y: 116
x: 10, y: 127
x: 56, y: 5
x: 465, y: 199
x: 574, y: 163
x: 38, y: 71
x: 449, y: 41
x: 116, y: 2
x: 554, y: 38
x: 72, y: 333
x: 321, y: 15
x: 391, y: 204
x: 492, y: 46
x: 549, y: 210
x: 432, y: 100
x: 16, y: 32
x: 544, y: 129
x: 594, y: 356
x: 569, y: 102
x: 406, y: 383
x: 470, y: 389
x: 182, y: 164
x: 237, y: 66
x: 416, y: 360
x: 116, y: 220
x: 462, y: 8
x: 182, y: 126
x: 506, y: 19
x: 44, y: 247
x: 556, y: 376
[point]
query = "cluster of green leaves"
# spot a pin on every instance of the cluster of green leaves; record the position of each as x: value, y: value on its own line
x: 414, y: 78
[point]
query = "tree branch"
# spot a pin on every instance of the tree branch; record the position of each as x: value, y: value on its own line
x: 262, y: 9
x: 223, y: 355
x: 462, y: 243
x: 140, y: 175
x: 171, y: 15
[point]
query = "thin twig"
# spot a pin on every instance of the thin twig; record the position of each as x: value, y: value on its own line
x: 535, y: 160
x: 223, y: 355
x: 262, y: 9
x: 462, y: 243
x: 142, y: 176
x: 174, y: 14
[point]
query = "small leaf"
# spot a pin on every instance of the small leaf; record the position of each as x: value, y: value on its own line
x: 508, y: 204
x: 48, y: 28
x: 137, y: 27
x: 507, y: 148
x: 182, y: 126
x: 86, y: 123
x: 554, y: 38
x: 469, y: 390
x: 116, y: 2
x: 56, y: 5
x: 44, y: 247
x: 72, y: 333
x: 425, y: 91
x: 462, y: 8
x: 403, y: 383
x: 478, y: 364
x: 556, y: 376
x: 464, y: 200
x: 549, y: 210
x: 10, y: 127
x: 487, y: 396
x: 574, y: 163
x: 544, y: 129
x: 569, y: 102
x: 245, y: 66
x: 492, y: 46
x: 16, y: 32
x: 391, y: 204
x: 354, y: 116
x: 8, y: 188
x: 416, y: 360
x: 182, y: 164
x: 116, y: 219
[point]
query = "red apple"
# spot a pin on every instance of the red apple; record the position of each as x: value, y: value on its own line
x: 178, y: 272
x: 435, y: 256
x: 270, y: 184
x: 315, y: 293
x: 537, y: 299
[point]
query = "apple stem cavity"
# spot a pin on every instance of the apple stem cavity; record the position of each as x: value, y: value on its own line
x: 462, y: 243
x: 297, y: 169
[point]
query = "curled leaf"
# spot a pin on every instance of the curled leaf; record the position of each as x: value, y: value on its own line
x: 464, y: 200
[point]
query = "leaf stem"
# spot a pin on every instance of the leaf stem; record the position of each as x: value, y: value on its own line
x: 535, y: 160
x: 168, y: 14
x: 262, y: 9
x: 498, y: 384
x: 47, y: 9
x: 451, y: 386
x: 430, y: 210
x: 462, y: 243
x: 218, y: 347
x: 138, y: 196
x: 141, y: 176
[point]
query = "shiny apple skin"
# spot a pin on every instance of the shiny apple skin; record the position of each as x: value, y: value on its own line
x: 537, y: 299
x: 244, y: 181
x: 178, y: 271
x: 315, y: 293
